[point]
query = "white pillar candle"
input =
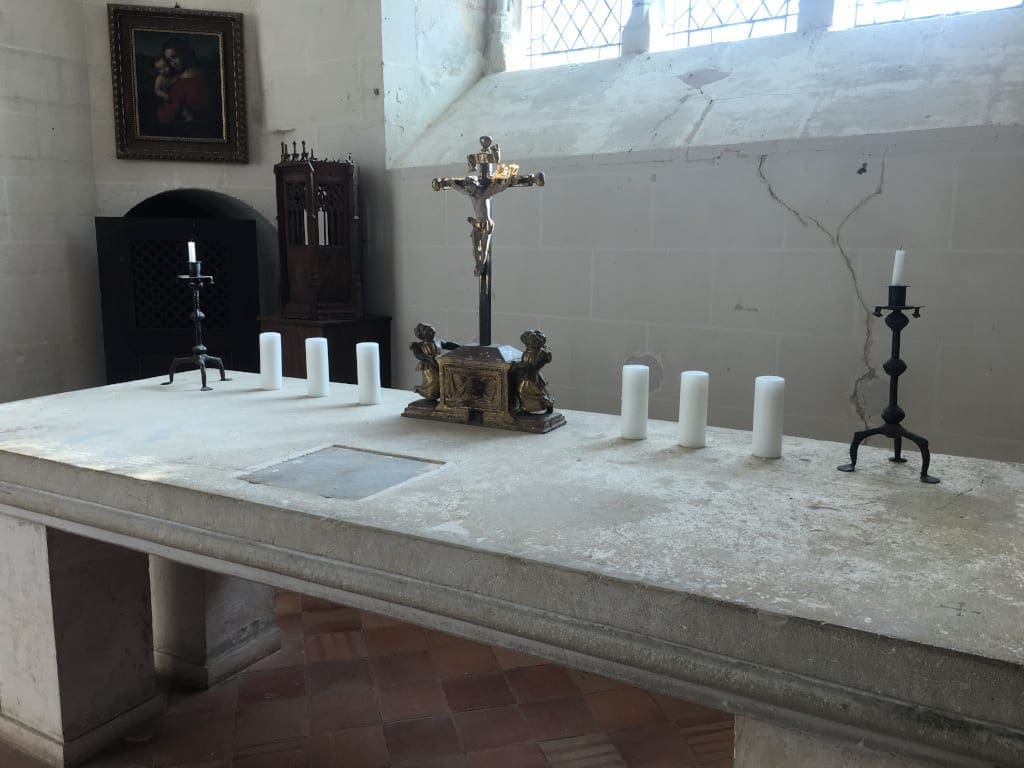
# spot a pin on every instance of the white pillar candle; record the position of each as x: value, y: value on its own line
x: 693, y: 409
x: 368, y: 372
x: 634, y: 401
x: 317, y: 370
x: 897, y: 267
x: 270, y: 360
x: 769, y: 399
x: 191, y: 251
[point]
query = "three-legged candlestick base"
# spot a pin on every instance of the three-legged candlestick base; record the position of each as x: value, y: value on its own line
x: 893, y: 415
x: 199, y: 357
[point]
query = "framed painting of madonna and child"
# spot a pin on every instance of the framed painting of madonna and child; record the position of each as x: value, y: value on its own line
x: 178, y: 80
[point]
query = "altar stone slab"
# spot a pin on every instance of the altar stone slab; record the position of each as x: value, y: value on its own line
x: 863, y: 607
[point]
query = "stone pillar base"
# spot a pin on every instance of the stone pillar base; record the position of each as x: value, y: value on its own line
x: 76, y: 651
x: 207, y: 627
x: 62, y: 754
x: 762, y: 745
x: 193, y: 674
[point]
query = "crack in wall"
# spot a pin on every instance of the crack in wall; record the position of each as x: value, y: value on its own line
x: 700, y: 121
x: 858, y: 396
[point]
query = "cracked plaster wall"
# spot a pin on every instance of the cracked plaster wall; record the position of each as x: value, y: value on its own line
x: 735, y: 209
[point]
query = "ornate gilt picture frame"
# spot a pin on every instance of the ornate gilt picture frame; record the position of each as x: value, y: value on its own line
x: 179, y: 85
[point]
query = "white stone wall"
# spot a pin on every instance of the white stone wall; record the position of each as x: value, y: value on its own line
x: 50, y: 330
x: 697, y: 264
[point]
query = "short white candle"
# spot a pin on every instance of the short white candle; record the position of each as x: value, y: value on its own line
x: 270, y: 360
x: 769, y: 401
x: 191, y: 251
x: 317, y: 369
x: 634, y: 401
x: 897, y: 267
x: 368, y: 372
x: 693, y: 409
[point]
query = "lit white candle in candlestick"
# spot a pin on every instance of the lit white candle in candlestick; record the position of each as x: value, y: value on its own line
x: 191, y: 251
x: 317, y: 368
x: 897, y: 267
x: 635, y: 380
x: 368, y: 372
x: 769, y: 401
x: 693, y: 409
x: 270, y: 360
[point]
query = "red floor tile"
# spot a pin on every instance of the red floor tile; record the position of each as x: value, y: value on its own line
x: 406, y: 702
x: 287, y: 603
x: 469, y: 692
x: 402, y: 669
x: 259, y: 687
x: 590, y: 683
x: 334, y: 620
x: 347, y: 685
x: 541, y: 683
x: 594, y: 751
x: 270, y: 722
x: 223, y: 697
x: 351, y: 707
x: 195, y: 737
x: 350, y: 748
x: 559, y: 718
x: 292, y: 753
x: 654, y: 746
x: 331, y: 675
x: 420, y: 739
x: 515, y: 756
x: 400, y: 638
x: 291, y: 654
x: 490, y: 728
x: 513, y: 659
x: 628, y: 708
x: 334, y: 646
x: 463, y: 659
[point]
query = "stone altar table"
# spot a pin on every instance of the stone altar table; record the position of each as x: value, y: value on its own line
x: 844, y: 614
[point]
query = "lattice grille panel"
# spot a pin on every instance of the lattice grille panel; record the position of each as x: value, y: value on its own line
x: 575, y: 30
x: 699, y: 22
x: 864, y: 13
x: 162, y: 301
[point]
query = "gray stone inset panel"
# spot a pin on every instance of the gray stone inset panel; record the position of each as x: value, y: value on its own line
x: 342, y: 473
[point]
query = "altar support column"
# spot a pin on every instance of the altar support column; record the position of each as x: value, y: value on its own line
x: 76, y: 654
x: 207, y: 626
x: 763, y: 745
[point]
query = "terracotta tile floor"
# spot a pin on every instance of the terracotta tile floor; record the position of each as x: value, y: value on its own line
x: 356, y: 690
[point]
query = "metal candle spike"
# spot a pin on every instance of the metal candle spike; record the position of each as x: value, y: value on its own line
x: 893, y: 415
x: 195, y: 279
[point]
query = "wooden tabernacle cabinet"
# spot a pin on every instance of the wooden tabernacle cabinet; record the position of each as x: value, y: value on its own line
x: 321, y: 266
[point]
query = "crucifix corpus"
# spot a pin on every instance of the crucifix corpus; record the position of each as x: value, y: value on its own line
x: 485, y: 384
x: 491, y: 177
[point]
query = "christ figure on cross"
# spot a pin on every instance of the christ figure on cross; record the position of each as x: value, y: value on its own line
x: 491, y: 177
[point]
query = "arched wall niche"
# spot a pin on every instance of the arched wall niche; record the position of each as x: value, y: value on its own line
x: 207, y: 204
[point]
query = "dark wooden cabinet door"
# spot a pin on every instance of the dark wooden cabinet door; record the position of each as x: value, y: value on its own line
x: 146, y: 308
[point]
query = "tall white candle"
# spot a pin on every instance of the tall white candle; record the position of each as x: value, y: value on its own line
x: 634, y: 401
x: 693, y: 408
x: 321, y: 227
x: 897, y: 267
x: 191, y: 251
x: 270, y: 360
x: 368, y: 372
x: 317, y: 370
x: 769, y: 401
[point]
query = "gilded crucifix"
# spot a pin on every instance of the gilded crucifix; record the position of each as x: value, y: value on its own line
x: 487, y: 177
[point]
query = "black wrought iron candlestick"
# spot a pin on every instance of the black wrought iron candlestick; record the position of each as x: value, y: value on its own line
x: 893, y: 415
x: 199, y: 358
